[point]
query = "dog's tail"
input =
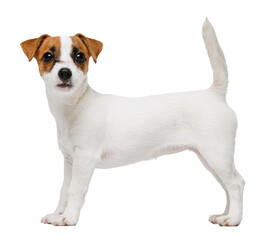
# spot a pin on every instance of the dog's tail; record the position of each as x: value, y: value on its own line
x: 217, y: 59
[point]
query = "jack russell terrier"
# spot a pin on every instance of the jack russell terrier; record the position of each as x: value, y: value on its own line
x: 105, y: 131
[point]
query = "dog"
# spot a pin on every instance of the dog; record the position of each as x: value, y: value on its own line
x: 105, y: 131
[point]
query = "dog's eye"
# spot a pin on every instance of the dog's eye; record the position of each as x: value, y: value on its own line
x: 79, y: 57
x: 47, y: 57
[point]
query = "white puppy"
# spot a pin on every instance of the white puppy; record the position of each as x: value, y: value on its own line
x: 104, y: 131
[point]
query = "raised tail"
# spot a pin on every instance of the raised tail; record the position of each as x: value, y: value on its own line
x: 217, y: 59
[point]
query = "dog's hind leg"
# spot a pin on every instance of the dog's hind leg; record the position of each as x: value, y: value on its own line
x: 219, y: 161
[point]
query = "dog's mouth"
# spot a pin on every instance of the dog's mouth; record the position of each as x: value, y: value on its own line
x: 64, y: 85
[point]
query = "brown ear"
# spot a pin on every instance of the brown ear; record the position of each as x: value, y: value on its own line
x: 31, y: 46
x: 94, y: 47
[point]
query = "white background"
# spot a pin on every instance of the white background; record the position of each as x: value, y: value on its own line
x: 150, y: 47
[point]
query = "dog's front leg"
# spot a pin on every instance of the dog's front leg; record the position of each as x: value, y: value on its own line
x: 82, y: 170
x: 50, y: 218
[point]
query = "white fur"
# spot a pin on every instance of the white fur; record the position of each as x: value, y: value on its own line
x: 103, y: 131
x: 66, y: 47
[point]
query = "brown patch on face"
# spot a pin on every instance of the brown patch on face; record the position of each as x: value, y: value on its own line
x: 93, y: 46
x: 37, y: 47
x: 89, y: 47
x: 31, y: 46
x: 50, y: 45
x: 79, y: 47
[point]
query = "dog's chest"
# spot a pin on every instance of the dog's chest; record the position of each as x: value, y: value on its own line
x: 65, y: 141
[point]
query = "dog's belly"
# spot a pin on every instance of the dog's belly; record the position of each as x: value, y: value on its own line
x: 111, y: 160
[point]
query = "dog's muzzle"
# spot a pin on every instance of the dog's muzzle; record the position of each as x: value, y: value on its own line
x: 65, y: 75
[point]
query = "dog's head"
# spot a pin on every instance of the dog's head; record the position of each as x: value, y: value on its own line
x: 63, y: 61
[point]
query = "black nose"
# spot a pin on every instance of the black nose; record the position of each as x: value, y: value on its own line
x: 64, y: 74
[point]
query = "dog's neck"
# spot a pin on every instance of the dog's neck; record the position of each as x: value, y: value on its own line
x: 64, y: 106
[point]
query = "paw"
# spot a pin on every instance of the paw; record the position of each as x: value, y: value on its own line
x: 49, y: 219
x: 59, y: 219
x: 212, y: 218
x: 225, y: 220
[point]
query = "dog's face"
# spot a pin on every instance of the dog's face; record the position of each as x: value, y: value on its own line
x: 63, y: 61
